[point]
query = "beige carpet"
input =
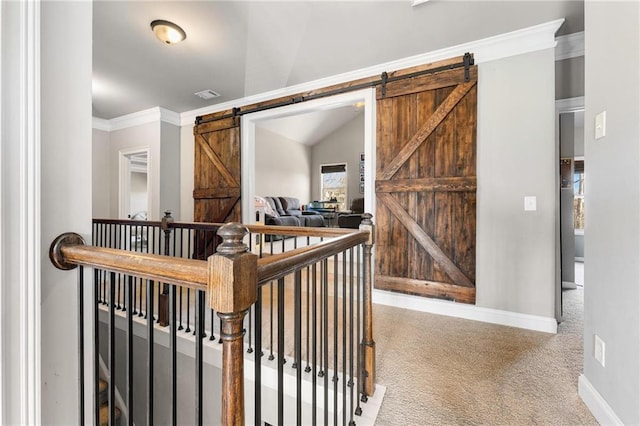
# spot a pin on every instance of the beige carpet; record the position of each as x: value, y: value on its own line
x: 447, y: 371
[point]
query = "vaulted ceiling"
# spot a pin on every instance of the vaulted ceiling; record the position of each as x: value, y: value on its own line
x: 249, y: 47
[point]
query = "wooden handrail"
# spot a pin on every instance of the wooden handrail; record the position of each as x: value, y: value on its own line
x: 166, y: 269
x: 279, y: 265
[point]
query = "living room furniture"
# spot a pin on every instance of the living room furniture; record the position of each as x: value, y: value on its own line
x: 287, y: 211
x: 352, y: 220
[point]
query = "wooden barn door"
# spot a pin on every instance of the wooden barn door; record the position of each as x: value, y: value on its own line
x: 216, y: 183
x: 426, y: 185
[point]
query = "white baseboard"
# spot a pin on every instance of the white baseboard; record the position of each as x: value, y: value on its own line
x: 596, y: 403
x: 462, y: 310
x: 568, y: 285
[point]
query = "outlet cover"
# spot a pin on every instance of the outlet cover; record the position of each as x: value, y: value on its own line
x: 599, y: 350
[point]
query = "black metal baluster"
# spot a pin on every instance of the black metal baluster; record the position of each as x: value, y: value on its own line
x: 150, y: 340
x: 281, y: 359
x: 81, y: 342
x: 335, y: 340
x: 314, y: 363
x: 325, y: 338
x: 271, y: 306
x: 199, y: 323
x: 358, y: 411
x: 258, y: 360
x: 129, y: 299
x: 308, y: 314
x: 351, y: 326
x: 344, y: 337
x: 250, y: 350
x: 96, y: 351
x: 298, y: 342
x: 112, y: 351
x: 213, y: 336
x: 321, y: 324
x: 182, y: 256
x: 188, y: 329
x: 173, y: 347
x: 140, y: 313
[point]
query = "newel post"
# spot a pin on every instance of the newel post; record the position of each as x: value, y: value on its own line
x: 368, y: 346
x: 163, y: 298
x: 232, y: 291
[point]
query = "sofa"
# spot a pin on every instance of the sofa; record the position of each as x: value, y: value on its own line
x: 287, y: 211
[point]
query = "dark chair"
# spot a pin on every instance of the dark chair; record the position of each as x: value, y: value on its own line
x: 352, y: 220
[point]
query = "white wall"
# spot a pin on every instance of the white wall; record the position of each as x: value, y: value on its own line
x: 342, y: 146
x: 65, y: 193
x: 101, y: 176
x: 516, y: 158
x: 283, y: 166
x: 612, y: 233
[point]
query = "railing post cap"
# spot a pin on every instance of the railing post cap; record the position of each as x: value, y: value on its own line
x: 166, y: 220
x: 366, y: 219
x: 232, y: 235
x: 55, y: 250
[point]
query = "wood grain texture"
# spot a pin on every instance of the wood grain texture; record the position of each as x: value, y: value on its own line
x: 438, y: 116
x: 426, y: 288
x: 446, y: 184
x: 425, y: 241
x: 170, y: 270
x: 217, y: 172
x: 232, y: 391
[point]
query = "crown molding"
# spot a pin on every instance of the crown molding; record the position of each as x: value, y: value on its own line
x: 151, y: 115
x: 570, y: 46
x: 525, y: 40
x: 101, y: 124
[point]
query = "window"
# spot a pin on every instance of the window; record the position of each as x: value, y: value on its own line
x: 578, y: 195
x: 333, y: 184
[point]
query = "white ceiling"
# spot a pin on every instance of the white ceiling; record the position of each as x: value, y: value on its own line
x: 312, y: 127
x: 242, y: 48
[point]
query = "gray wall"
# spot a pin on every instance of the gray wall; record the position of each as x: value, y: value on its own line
x: 570, y: 78
x: 65, y: 193
x: 612, y: 251
x: 101, y: 174
x: 169, y: 169
x: 342, y: 146
x: 187, y: 152
x: 283, y: 166
x: 136, y: 137
x: 516, y: 157
x: 163, y: 174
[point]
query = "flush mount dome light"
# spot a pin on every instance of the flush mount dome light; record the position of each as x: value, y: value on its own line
x: 168, y: 32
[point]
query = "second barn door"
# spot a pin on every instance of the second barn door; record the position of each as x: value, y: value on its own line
x: 216, y: 190
x: 426, y: 185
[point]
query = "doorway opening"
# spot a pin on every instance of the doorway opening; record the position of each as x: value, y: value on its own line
x: 134, y: 183
x: 571, y: 194
x: 251, y: 122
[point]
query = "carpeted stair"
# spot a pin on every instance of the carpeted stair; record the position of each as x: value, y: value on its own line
x: 104, y: 406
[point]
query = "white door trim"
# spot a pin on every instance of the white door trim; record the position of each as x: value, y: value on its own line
x: 248, y: 134
x: 124, y: 179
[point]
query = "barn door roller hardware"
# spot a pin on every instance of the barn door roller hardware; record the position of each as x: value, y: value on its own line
x: 383, y: 83
x: 385, y: 78
x: 467, y: 61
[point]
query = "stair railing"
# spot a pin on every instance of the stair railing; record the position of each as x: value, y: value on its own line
x: 232, y: 278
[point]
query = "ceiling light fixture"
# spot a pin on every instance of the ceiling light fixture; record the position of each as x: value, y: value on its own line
x: 168, y: 32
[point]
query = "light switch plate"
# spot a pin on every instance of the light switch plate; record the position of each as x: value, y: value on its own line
x: 530, y: 203
x: 601, y: 125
